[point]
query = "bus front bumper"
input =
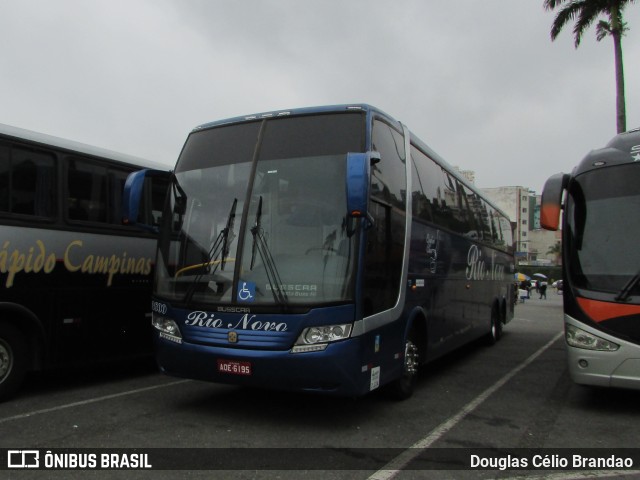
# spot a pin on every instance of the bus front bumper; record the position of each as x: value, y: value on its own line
x: 335, y: 371
x: 618, y: 369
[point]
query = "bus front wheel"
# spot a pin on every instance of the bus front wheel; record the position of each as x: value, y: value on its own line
x: 13, y: 359
x: 402, y: 388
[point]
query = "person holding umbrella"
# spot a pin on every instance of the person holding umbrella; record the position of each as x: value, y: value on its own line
x: 542, y: 290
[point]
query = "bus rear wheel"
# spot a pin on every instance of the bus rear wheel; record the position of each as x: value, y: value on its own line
x: 495, y: 331
x: 13, y: 360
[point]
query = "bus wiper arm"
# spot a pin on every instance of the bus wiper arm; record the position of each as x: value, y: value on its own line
x: 256, y: 228
x: 260, y: 246
x: 626, y: 290
x: 220, y: 246
x: 228, y: 234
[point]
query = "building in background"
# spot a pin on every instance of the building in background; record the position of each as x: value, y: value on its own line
x: 534, y: 246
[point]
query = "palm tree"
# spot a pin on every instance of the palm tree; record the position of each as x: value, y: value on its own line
x: 556, y: 251
x: 585, y: 12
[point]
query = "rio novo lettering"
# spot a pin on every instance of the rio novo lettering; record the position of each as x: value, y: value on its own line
x: 477, y: 268
x: 36, y: 259
x: 246, y: 322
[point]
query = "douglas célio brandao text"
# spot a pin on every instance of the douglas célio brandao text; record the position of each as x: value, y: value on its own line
x: 551, y: 461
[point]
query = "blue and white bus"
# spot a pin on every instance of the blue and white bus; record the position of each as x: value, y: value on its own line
x: 325, y: 250
x: 68, y: 266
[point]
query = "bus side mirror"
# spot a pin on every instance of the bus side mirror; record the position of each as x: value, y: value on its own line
x: 133, y: 195
x: 551, y: 202
x: 358, y: 181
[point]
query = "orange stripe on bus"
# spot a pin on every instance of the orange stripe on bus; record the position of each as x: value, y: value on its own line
x: 600, y: 311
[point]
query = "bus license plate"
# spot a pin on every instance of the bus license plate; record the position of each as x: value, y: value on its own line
x: 234, y: 367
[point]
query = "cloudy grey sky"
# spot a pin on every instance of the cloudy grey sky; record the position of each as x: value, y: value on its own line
x: 478, y: 80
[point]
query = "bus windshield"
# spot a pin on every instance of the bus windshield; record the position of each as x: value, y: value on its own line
x: 259, y: 220
x: 602, y: 206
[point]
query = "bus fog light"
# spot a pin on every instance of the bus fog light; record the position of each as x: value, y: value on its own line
x: 318, y: 347
x: 576, y: 337
x: 583, y: 363
x: 166, y: 325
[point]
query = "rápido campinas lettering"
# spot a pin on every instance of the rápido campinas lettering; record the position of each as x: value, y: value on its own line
x: 75, y: 260
x: 38, y: 259
x: 35, y: 259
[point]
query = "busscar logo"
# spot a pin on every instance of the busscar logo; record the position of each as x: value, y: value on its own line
x: 23, y: 459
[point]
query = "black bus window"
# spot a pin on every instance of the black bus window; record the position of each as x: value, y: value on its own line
x: 422, y: 207
x: 5, y: 178
x: 388, y: 177
x: 152, y: 205
x: 87, y: 192
x: 32, y: 183
x: 117, y: 179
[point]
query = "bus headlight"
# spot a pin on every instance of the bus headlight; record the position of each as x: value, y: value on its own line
x: 576, y: 337
x: 314, y: 339
x: 166, y: 325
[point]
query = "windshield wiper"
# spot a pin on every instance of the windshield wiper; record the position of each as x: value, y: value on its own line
x: 227, y: 234
x: 220, y: 246
x: 626, y: 290
x: 256, y: 228
x: 260, y: 246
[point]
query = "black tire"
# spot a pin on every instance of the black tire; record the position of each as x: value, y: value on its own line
x: 403, y: 387
x: 496, y: 327
x: 13, y: 360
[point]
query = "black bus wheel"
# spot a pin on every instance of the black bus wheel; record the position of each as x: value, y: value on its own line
x: 13, y: 360
x: 496, y: 327
x: 403, y: 387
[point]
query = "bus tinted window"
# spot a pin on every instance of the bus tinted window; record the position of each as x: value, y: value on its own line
x: 388, y: 180
x: 5, y: 178
x: 313, y: 136
x: 219, y: 146
x: 117, y: 178
x: 426, y: 186
x: 87, y: 189
x: 385, y: 243
x: 27, y: 182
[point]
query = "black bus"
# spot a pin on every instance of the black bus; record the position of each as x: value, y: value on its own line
x: 75, y: 283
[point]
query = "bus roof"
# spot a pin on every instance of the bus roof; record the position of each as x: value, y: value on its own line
x: 356, y: 107
x: 45, y: 140
x: 623, y: 148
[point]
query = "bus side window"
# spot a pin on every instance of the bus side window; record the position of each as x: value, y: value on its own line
x: 117, y: 178
x: 28, y: 185
x: 87, y: 191
x: 385, y: 244
x: 153, y: 200
x: 5, y: 178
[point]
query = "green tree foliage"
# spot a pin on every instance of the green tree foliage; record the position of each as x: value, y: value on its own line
x: 584, y: 13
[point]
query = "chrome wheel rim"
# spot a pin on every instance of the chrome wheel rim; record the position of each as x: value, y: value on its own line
x: 411, y: 358
x: 5, y: 361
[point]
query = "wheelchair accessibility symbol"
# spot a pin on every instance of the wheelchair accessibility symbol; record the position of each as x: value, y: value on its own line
x: 246, y: 291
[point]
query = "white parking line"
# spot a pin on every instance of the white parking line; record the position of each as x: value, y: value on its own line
x: 394, y: 467
x: 89, y: 401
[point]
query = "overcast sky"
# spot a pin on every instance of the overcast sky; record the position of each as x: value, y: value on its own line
x: 477, y: 80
